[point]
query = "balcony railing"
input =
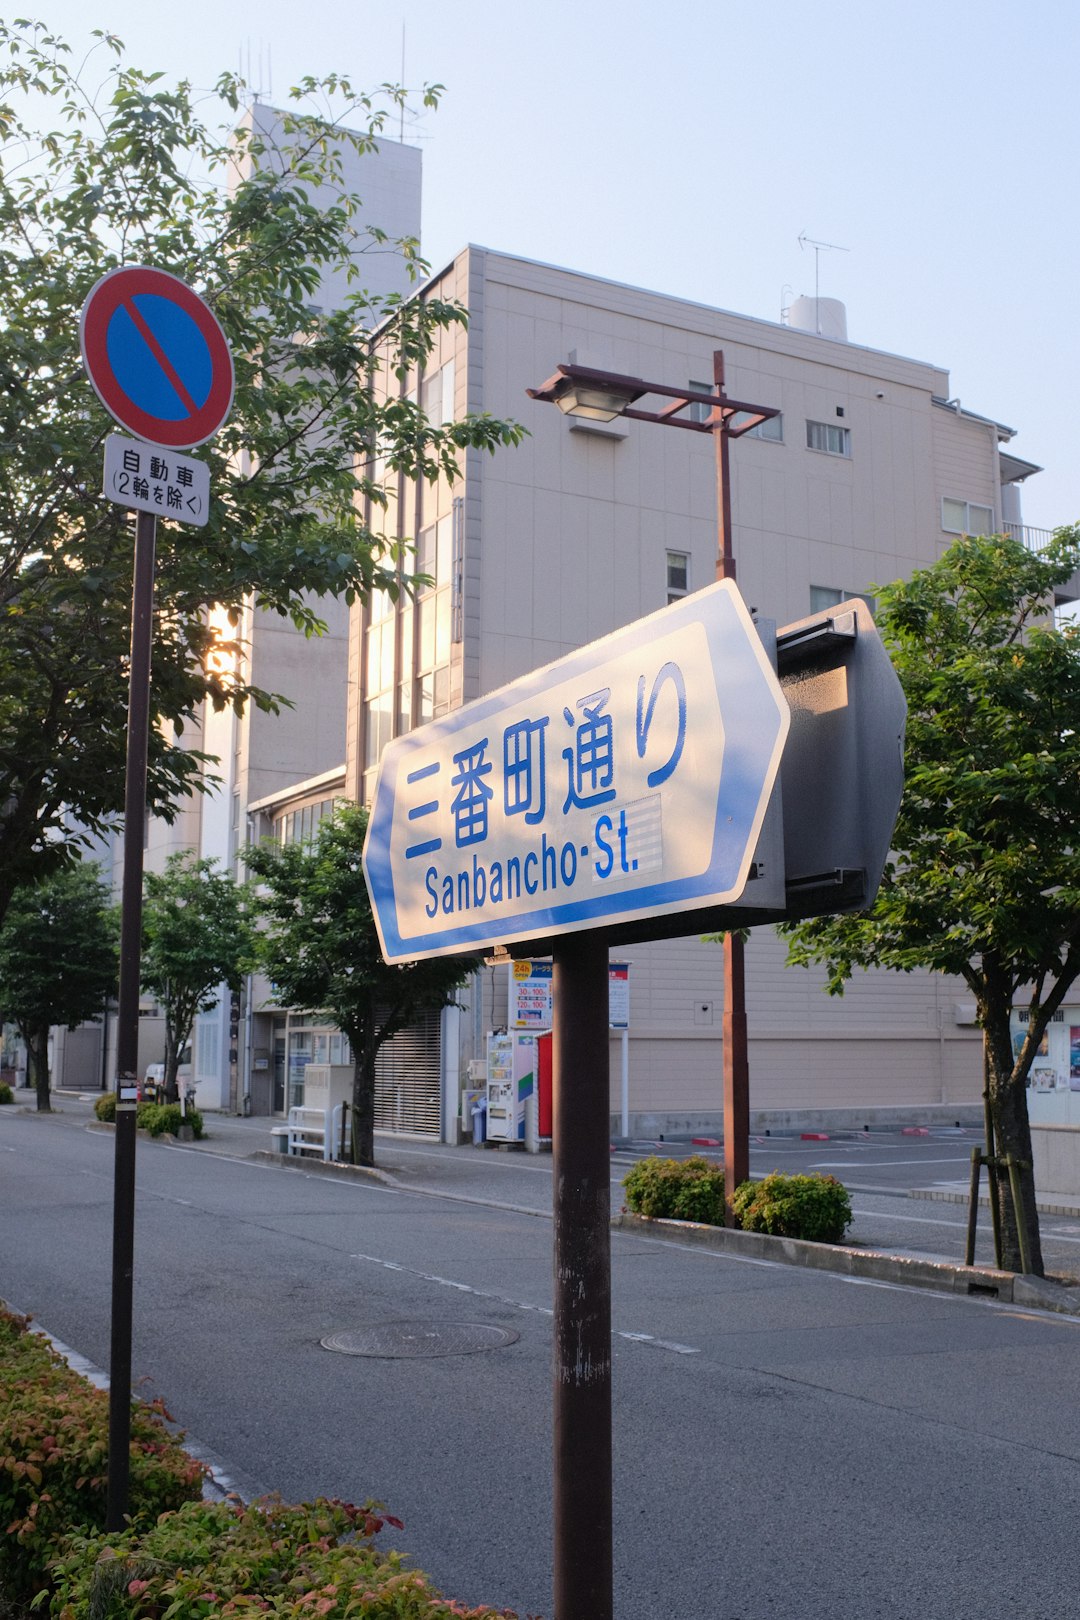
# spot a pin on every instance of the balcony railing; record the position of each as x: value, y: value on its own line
x: 1034, y: 539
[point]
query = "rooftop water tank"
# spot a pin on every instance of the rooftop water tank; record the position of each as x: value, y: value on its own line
x: 827, y: 317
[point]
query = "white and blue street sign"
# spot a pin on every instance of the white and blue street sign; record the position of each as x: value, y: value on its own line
x: 628, y: 780
x: 157, y: 357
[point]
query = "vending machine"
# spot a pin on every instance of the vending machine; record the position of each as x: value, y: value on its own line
x: 511, y: 1077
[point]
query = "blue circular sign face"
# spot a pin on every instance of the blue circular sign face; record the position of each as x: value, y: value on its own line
x: 157, y: 357
x: 142, y: 331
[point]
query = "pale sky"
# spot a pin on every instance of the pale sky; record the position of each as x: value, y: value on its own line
x: 685, y: 147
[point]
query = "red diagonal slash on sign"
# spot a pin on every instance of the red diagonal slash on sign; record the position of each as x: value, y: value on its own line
x: 159, y: 354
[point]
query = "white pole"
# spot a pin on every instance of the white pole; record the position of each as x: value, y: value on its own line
x: 532, y: 1123
x: 625, y: 1080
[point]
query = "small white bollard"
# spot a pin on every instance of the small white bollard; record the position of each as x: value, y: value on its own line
x: 532, y: 1123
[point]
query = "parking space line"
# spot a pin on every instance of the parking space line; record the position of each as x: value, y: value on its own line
x: 880, y: 1164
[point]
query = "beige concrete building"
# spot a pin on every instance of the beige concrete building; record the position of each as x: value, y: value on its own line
x: 868, y: 473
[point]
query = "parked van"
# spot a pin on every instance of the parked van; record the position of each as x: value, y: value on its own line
x: 153, y: 1086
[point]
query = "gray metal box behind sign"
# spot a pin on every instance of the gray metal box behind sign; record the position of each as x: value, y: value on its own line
x: 842, y: 774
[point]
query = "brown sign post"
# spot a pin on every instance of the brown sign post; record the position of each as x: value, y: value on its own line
x: 160, y: 364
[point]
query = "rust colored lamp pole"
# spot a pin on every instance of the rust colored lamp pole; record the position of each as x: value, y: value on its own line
x: 736, y: 1054
x: 601, y: 396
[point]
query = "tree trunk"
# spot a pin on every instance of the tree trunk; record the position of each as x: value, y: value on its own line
x: 363, y: 1117
x: 1008, y: 1106
x: 172, y: 1062
x: 37, y: 1060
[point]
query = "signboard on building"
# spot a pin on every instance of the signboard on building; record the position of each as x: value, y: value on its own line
x: 627, y: 780
x: 530, y: 995
x: 619, y: 995
x: 531, y: 1002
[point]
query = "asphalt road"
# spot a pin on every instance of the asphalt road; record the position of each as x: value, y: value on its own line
x: 788, y: 1443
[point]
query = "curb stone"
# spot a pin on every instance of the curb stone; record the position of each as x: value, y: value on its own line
x: 324, y: 1167
x: 941, y: 1276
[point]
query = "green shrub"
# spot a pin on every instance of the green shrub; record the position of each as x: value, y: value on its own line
x: 6, y: 1093
x: 677, y: 1189
x: 814, y: 1207
x: 212, y: 1558
x: 159, y: 1118
x: 54, y: 1430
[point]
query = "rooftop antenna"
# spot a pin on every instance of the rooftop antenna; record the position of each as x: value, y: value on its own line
x: 805, y: 241
x: 252, y: 74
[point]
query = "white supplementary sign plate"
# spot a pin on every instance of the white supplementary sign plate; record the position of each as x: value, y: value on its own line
x: 148, y: 479
x: 627, y: 780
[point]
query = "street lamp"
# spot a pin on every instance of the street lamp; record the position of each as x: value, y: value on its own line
x: 601, y: 396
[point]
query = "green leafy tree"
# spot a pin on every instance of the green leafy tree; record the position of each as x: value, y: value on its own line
x: 196, y: 937
x: 321, y: 950
x: 58, y: 961
x: 984, y: 879
x: 100, y: 165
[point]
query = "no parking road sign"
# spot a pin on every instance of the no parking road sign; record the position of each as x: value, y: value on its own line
x: 157, y: 358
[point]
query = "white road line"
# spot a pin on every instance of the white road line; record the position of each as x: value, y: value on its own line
x: 518, y: 1304
x: 879, y: 1164
x: 911, y: 1220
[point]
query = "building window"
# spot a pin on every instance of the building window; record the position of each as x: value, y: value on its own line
x: 827, y: 437
x: 430, y: 674
x: 696, y: 412
x: 823, y: 597
x: 963, y: 517
x: 300, y: 826
x: 437, y: 395
x: 772, y: 429
x: 379, y: 682
x: 678, y: 575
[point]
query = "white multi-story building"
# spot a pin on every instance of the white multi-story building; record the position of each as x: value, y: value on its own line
x: 262, y: 753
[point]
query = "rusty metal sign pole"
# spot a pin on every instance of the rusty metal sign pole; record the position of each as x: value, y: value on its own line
x: 127, y: 1024
x: 581, y: 1165
x: 735, y: 1041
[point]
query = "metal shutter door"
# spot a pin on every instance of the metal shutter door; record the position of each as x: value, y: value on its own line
x: 407, y: 1073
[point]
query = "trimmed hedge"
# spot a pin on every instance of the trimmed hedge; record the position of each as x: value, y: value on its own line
x: 6, y: 1093
x: 317, y: 1559
x: 813, y: 1207
x: 54, y: 1431
x: 677, y: 1189
x: 157, y: 1118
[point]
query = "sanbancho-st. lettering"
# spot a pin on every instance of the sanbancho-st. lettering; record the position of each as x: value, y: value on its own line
x: 607, y: 785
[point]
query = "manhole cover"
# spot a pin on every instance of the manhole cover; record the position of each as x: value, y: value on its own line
x: 411, y: 1339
